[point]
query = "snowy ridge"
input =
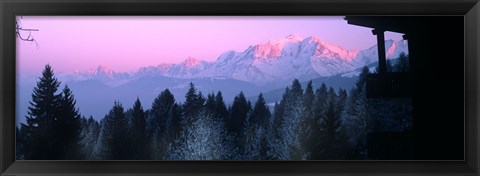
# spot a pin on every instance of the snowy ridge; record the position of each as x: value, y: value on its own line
x: 273, y: 62
x: 102, y: 73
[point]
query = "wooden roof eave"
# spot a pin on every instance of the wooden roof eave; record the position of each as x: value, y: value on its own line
x: 385, y: 23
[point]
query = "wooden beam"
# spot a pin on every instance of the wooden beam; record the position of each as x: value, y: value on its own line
x: 382, y: 60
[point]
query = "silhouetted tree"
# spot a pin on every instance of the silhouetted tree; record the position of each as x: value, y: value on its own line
x: 68, y: 128
x: 255, y: 133
x: 402, y: 63
x: 362, y: 79
x: 332, y: 138
x: 308, y: 124
x: 389, y: 66
x: 114, y: 135
x: 220, y: 108
x: 238, y: 115
x: 139, y: 132
x: 167, y: 124
x: 40, y: 135
x: 210, y: 103
x: 279, y: 109
x: 342, y: 98
x: 193, y: 103
x: 260, y: 115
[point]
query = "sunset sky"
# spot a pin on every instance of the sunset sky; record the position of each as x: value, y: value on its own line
x: 72, y: 44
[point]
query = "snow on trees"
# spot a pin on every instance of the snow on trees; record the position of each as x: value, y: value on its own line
x: 306, y: 124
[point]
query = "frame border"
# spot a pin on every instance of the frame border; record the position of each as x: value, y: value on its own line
x: 470, y: 9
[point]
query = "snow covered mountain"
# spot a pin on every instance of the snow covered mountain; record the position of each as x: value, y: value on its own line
x: 267, y: 67
x: 272, y: 63
x: 102, y: 73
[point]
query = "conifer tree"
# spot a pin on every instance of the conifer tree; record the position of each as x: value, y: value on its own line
x: 276, y: 150
x: 260, y: 115
x: 167, y: 124
x: 40, y: 135
x: 210, y: 103
x: 342, y: 98
x: 139, y: 132
x: 308, y: 123
x: 256, y: 144
x: 220, y: 108
x: 238, y: 115
x: 68, y: 128
x: 402, y: 64
x: 114, y: 142
x: 193, y: 103
x: 362, y: 79
x: 355, y: 118
x: 279, y: 109
x: 238, y: 118
x: 285, y: 143
x: 332, y: 145
x: 292, y: 128
x: 390, y: 67
x: 329, y: 125
x: 321, y: 99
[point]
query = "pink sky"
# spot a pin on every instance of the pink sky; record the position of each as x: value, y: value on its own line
x: 127, y: 43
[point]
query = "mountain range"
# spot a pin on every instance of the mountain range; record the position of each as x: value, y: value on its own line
x: 267, y: 67
x: 266, y: 63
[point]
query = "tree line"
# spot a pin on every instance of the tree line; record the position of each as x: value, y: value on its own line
x: 307, y: 124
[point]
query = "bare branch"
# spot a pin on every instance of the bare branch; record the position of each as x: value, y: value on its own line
x: 27, y: 29
x: 20, y: 32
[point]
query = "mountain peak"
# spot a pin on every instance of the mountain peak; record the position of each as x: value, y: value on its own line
x: 102, y: 69
x: 273, y: 48
x: 266, y: 51
x: 191, y: 62
x: 312, y: 39
x: 293, y: 37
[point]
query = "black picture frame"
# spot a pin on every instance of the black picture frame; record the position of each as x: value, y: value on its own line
x: 470, y: 9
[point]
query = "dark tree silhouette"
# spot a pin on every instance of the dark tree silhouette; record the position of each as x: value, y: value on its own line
x: 43, y: 112
x: 114, y: 135
x: 308, y: 137
x: 220, y: 108
x: 139, y: 132
x: 259, y: 122
x: 305, y: 124
x: 210, y: 103
x: 68, y: 128
x: 239, y: 112
x: 193, y: 103
x: 332, y: 145
x: 402, y: 65
x: 167, y: 123
x: 260, y: 115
